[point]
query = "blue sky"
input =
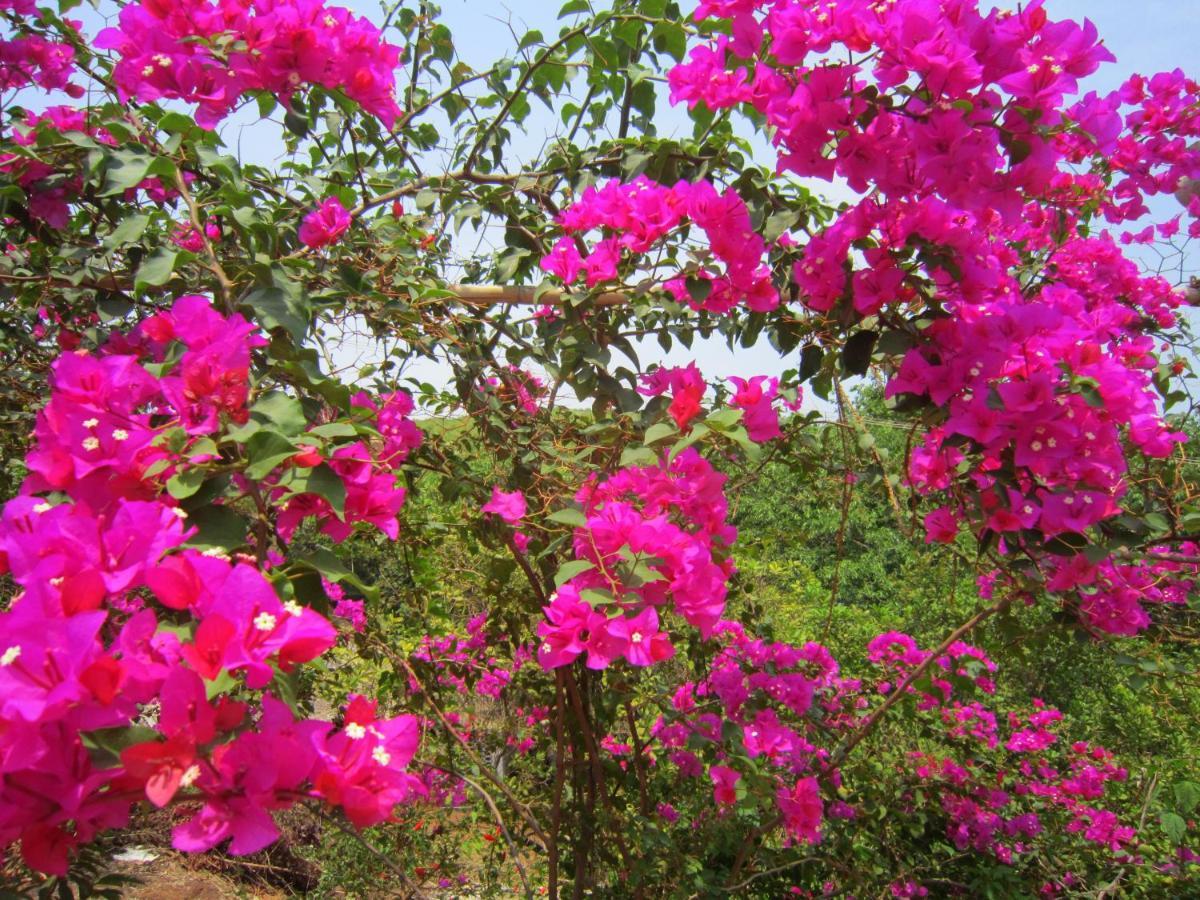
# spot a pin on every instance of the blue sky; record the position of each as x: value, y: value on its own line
x: 1145, y: 35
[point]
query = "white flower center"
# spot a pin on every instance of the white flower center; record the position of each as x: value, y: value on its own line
x: 91, y: 444
x: 188, y: 778
x: 293, y: 608
x: 381, y: 756
x: 120, y: 434
x: 42, y: 507
x: 546, y: 648
x: 265, y: 622
x: 10, y: 656
x: 90, y: 423
x: 636, y: 637
x: 355, y: 732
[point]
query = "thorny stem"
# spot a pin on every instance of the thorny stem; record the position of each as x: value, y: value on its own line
x: 901, y: 690
x: 495, y: 810
x: 522, y: 810
x: 214, y: 264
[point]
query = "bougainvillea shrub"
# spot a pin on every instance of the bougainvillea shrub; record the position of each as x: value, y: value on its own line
x: 238, y: 379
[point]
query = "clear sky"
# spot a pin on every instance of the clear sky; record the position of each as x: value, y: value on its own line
x: 1144, y: 35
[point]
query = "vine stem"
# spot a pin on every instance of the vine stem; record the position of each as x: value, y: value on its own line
x: 213, y: 263
x: 901, y: 690
x: 593, y: 754
x: 522, y: 810
x: 495, y: 810
x: 370, y: 848
x: 560, y: 772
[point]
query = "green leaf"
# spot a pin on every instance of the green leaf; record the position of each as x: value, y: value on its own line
x: 296, y: 123
x: 530, y: 39
x: 659, y: 432
x: 1174, y: 827
x: 219, y: 528
x: 334, y: 430
x: 741, y: 437
x: 267, y: 449
x: 570, y: 516
x: 333, y: 569
x: 596, y: 598
x: 222, y: 684
x: 1187, y: 796
x: 697, y: 433
x: 569, y: 570
x: 724, y: 420
x: 638, y: 456
x: 177, y: 123
x: 324, y: 482
x: 856, y: 355
x: 276, y: 307
x: 186, y: 483
x: 811, y: 360
x: 125, y: 169
x: 777, y: 224
x: 283, y: 412
x: 699, y: 289
x: 670, y: 38
x: 156, y: 269
x: 130, y: 231
x: 105, y: 744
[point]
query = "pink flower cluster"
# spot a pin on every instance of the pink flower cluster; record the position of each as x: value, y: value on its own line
x: 516, y: 387
x: 510, y: 508
x: 654, y: 536
x: 1038, y: 783
x: 51, y: 189
x: 115, y: 613
x: 976, y: 175
x: 766, y: 714
x: 765, y: 691
x: 964, y: 105
x: 325, y: 224
x: 47, y: 197
x: 469, y: 663
x: 373, y: 491
x: 213, y: 55
x: 1147, y: 150
x: 187, y: 237
x: 756, y: 399
x: 961, y: 662
x: 33, y: 59
x: 686, y: 386
x: 997, y: 796
x: 1112, y: 596
x: 637, y: 215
